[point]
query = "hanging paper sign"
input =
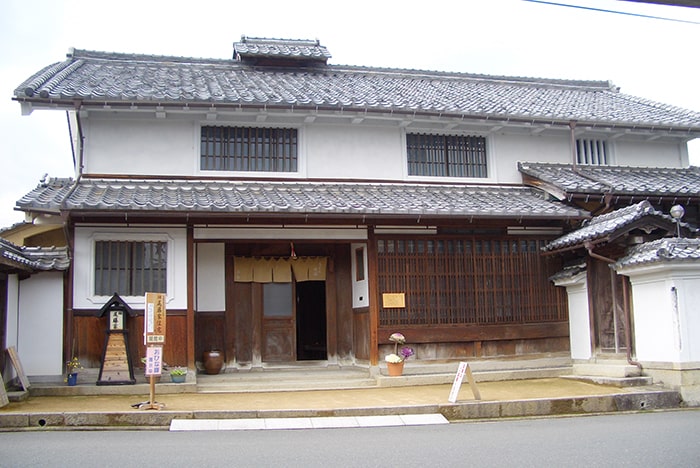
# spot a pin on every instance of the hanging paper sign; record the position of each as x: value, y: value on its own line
x: 154, y: 319
x: 154, y: 360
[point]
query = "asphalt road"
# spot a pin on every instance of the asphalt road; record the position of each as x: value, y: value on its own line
x: 664, y: 439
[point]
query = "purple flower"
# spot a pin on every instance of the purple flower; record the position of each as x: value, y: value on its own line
x: 407, y: 352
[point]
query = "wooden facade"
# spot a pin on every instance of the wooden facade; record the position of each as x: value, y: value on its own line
x: 466, y: 296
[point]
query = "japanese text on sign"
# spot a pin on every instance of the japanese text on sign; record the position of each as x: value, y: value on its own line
x: 154, y: 317
x: 154, y: 360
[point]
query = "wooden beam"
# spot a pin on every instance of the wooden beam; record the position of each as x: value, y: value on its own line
x: 191, y: 358
x: 373, y: 272
x: 466, y: 333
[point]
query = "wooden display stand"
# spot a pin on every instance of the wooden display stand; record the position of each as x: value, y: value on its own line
x: 116, y: 367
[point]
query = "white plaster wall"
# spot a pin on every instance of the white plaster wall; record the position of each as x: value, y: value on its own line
x: 354, y: 152
x: 649, y: 154
x: 666, y: 322
x: 84, y: 257
x: 143, y: 144
x: 510, y: 148
x: 40, y: 326
x: 12, y: 310
x: 11, y: 324
x: 211, y: 280
x: 140, y: 146
x: 579, y: 321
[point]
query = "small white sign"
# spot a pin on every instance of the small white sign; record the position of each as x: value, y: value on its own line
x: 457, y: 384
x: 154, y: 360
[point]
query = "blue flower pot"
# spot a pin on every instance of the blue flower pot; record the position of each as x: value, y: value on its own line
x: 178, y: 378
x: 72, y: 379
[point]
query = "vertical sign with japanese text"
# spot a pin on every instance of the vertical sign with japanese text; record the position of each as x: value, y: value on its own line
x: 154, y: 319
x: 154, y: 360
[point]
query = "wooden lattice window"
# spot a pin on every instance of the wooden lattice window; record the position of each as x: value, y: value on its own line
x: 130, y: 268
x: 469, y: 281
x: 446, y: 155
x: 249, y: 149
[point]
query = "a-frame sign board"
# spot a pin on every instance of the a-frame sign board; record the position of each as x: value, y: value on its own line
x: 116, y: 367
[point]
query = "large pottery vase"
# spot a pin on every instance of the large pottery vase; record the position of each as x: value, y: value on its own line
x: 213, y: 361
x: 395, y: 368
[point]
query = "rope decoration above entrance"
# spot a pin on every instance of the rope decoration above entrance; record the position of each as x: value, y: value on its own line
x: 279, y: 269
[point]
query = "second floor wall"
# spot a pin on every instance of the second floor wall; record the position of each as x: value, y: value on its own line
x: 141, y: 145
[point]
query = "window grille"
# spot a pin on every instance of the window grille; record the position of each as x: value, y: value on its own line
x: 593, y: 152
x: 130, y: 268
x: 469, y: 282
x: 446, y: 155
x: 249, y: 149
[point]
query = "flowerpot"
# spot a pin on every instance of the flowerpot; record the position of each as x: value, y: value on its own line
x: 395, y: 368
x: 213, y: 361
x: 73, y: 379
x: 178, y: 378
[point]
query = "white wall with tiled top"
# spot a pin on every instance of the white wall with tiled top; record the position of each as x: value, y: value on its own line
x: 664, y: 303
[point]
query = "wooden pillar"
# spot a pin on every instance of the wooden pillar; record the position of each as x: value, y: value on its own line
x: 191, y: 358
x: 373, y: 272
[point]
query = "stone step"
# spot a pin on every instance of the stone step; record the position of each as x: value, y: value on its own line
x: 605, y: 369
x: 635, y: 381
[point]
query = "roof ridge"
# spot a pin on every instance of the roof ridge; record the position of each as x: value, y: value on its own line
x: 397, y: 71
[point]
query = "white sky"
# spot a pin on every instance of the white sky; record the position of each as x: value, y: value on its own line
x: 651, y: 58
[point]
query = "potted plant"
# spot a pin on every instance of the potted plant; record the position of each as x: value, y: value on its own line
x: 72, y: 367
x: 395, y: 361
x: 178, y: 374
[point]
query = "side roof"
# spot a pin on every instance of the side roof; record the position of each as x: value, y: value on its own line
x: 251, y: 198
x: 672, y: 249
x: 14, y: 258
x: 610, y: 226
x: 102, y: 78
x: 565, y: 180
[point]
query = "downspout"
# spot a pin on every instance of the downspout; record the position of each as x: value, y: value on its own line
x: 625, y: 307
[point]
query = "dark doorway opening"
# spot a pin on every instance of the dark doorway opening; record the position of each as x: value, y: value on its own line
x: 311, y: 321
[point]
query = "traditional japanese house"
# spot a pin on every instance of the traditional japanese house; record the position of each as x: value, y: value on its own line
x: 297, y: 211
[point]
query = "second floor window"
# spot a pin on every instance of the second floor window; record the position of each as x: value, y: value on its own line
x: 249, y: 149
x: 130, y: 268
x: 593, y: 152
x: 446, y: 155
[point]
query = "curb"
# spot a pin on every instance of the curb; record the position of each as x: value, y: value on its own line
x: 472, y: 410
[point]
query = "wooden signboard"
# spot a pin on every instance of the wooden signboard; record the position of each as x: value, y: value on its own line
x: 18, y: 367
x: 154, y: 319
x: 4, y: 400
x: 393, y: 300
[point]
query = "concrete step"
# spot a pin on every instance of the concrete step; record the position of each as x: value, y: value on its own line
x: 285, y: 379
x: 606, y: 369
x: 637, y: 381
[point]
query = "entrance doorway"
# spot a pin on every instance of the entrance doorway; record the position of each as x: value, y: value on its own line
x: 311, y: 321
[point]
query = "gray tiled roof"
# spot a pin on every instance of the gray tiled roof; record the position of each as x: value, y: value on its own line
x: 569, y: 271
x: 662, y: 250
x: 603, y: 226
x: 253, y: 197
x: 35, y: 258
x: 103, y: 78
x: 291, y: 48
x: 618, y: 180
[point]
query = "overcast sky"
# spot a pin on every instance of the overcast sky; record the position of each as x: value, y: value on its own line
x: 652, y: 58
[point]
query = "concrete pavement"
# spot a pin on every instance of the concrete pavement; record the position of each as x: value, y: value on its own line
x: 234, y: 397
